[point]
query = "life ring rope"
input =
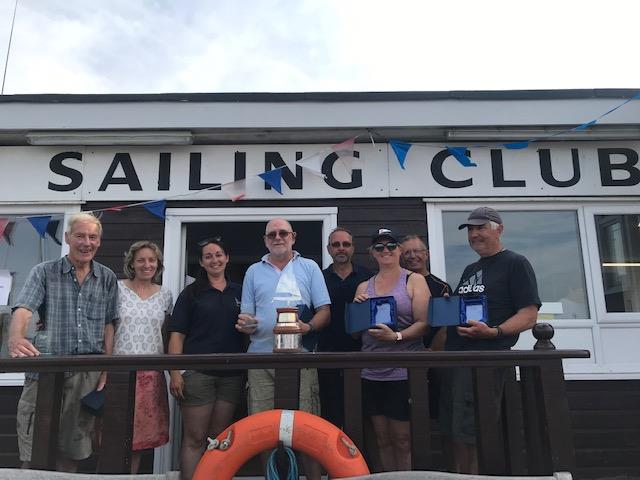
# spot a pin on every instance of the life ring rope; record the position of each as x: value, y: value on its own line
x: 296, y: 429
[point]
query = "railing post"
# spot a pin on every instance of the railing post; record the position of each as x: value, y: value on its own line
x: 420, y: 420
x: 353, y: 407
x: 512, y: 426
x: 546, y: 411
x: 46, y: 423
x: 487, y: 387
x: 287, y: 388
x: 117, y: 427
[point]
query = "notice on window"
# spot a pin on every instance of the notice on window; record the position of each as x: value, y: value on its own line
x: 5, y: 286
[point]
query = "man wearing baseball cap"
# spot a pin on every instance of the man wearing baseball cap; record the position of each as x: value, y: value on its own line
x: 506, y: 281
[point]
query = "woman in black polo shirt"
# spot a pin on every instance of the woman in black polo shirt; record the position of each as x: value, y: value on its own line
x: 203, y: 321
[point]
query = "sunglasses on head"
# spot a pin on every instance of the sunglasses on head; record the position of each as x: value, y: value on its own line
x: 276, y: 233
x: 207, y: 241
x: 379, y: 247
x: 344, y: 244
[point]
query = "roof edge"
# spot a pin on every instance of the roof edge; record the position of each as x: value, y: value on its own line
x: 308, y: 97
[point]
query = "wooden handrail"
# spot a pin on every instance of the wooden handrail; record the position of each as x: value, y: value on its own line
x: 244, y: 361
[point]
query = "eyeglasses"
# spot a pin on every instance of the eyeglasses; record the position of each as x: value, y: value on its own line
x: 344, y: 244
x: 276, y: 233
x: 207, y: 241
x: 413, y: 253
x: 379, y: 247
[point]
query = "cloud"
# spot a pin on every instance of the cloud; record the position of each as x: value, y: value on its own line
x: 110, y: 46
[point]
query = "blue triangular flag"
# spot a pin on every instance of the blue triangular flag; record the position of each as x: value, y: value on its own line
x: 157, y: 208
x: 584, y: 125
x: 517, y: 145
x: 40, y: 224
x: 273, y: 178
x: 400, y: 149
x: 460, y: 154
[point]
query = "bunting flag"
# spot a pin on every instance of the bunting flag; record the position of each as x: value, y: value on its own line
x: 7, y: 232
x: 117, y: 208
x: 157, y: 208
x: 40, y: 224
x: 273, y: 178
x: 52, y: 229
x: 3, y: 225
x: 460, y: 154
x: 400, y: 149
x: 584, y: 126
x: 313, y: 163
x: 516, y: 145
x: 344, y: 149
x: 235, y: 190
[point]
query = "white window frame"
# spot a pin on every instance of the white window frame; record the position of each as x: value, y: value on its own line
x: 436, y: 241
x: 591, y: 211
x: 20, y: 210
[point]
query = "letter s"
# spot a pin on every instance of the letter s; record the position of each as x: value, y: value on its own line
x: 56, y: 165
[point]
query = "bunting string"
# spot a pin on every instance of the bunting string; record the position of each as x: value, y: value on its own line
x: 238, y: 189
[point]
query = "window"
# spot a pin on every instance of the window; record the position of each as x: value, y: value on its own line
x: 619, y: 249
x: 551, y: 242
x: 20, y: 249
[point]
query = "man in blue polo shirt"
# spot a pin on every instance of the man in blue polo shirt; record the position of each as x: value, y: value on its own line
x: 258, y: 316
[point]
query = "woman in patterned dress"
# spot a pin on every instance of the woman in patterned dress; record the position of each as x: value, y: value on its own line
x: 143, y: 309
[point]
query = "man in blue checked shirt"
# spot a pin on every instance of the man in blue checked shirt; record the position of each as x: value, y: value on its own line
x: 75, y: 298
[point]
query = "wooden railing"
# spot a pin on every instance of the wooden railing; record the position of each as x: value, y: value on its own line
x: 535, y: 437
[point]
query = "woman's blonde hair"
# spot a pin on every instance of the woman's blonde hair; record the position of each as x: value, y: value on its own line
x: 131, y: 254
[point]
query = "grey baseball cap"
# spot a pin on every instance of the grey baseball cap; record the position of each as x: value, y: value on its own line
x: 480, y: 216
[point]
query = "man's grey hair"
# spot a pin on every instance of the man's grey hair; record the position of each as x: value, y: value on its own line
x: 83, y: 217
x: 493, y: 225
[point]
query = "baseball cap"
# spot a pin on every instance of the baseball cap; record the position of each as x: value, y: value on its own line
x: 384, y: 233
x: 480, y: 216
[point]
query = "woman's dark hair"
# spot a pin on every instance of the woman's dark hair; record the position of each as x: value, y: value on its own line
x: 201, y: 282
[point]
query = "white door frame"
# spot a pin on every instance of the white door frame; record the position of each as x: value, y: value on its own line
x: 175, y: 265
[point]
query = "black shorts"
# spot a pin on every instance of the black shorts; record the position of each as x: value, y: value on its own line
x: 389, y: 399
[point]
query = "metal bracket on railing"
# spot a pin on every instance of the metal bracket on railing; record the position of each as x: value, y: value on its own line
x: 214, y: 444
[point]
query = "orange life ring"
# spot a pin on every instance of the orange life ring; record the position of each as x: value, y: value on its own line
x: 262, y: 431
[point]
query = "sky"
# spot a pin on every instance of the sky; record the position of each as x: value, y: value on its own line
x: 159, y: 46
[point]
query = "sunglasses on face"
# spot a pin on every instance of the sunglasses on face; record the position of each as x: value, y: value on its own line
x: 276, y: 233
x: 391, y: 246
x: 344, y: 244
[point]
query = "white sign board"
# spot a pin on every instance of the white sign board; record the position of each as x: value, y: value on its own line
x: 63, y: 174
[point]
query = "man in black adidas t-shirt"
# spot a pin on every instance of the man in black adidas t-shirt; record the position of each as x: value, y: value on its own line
x: 509, y: 284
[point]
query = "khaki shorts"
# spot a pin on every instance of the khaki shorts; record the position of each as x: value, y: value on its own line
x: 261, y: 391
x: 202, y: 389
x: 76, y: 424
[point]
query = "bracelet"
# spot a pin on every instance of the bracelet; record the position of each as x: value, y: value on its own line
x: 500, y: 332
x: 398, y: 336
x: 311, y: 327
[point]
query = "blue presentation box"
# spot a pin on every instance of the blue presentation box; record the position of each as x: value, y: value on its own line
x: 456, y: 310
x: 364, y: 315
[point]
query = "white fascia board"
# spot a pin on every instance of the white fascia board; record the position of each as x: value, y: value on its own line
x: 305, y: 115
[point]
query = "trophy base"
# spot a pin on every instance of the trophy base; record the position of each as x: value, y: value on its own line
x: 287, y: 342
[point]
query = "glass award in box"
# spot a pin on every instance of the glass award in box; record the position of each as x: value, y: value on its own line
x: 373, y: 311
x: 456, y: 310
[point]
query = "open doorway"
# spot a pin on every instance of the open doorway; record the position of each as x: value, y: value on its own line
x: 242, y: 230
x: 245, y: 244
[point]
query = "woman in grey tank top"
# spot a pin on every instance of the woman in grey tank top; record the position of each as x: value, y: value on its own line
x: 385, y: 390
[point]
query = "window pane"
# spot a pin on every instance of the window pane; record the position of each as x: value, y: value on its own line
x: 619, y: 246
x: 551, y: 242
x: 20, y: 249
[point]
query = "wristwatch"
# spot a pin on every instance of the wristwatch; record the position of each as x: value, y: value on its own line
x: 499, y: 330
x: 398, y: 336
